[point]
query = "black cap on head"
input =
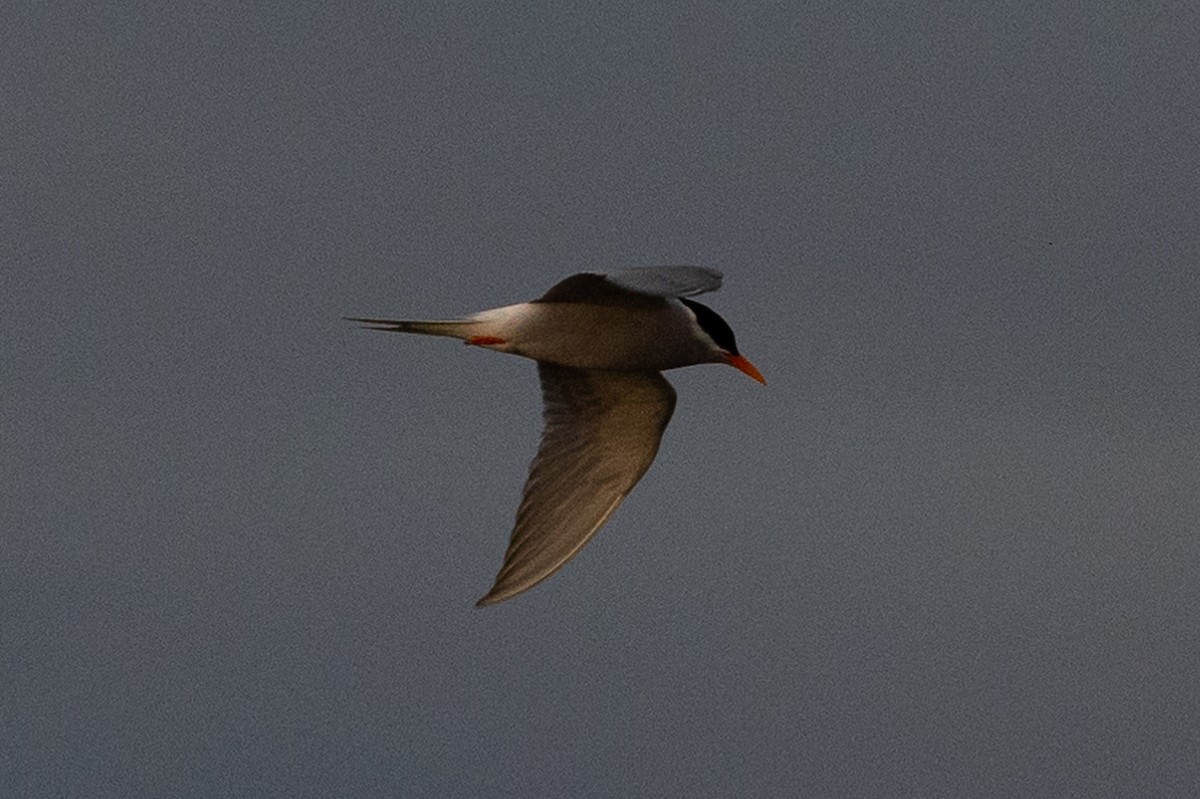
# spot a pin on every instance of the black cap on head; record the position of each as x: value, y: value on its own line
x: 712, y: 324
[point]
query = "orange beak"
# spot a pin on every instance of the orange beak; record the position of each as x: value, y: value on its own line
x: 743, y: 364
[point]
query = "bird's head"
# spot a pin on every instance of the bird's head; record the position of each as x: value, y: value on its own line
x: 723, y: 341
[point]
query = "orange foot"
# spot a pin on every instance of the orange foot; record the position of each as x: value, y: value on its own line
x: 484, y: 341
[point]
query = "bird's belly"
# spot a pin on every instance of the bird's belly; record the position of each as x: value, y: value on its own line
x: 602, y: 337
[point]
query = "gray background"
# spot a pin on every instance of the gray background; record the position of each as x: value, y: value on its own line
x: 950, y: 550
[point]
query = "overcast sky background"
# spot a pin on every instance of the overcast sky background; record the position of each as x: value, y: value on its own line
x: 952, y: 549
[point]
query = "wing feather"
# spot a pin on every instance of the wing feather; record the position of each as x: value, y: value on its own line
x: 668, y: 281
x: 602, y: 432
x: 646, y: 285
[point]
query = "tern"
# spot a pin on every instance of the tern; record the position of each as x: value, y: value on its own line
x: 601, y: 342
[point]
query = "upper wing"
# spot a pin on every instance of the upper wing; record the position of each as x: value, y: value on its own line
x: 602, y: 433
x: 647, y: 284
x: 668, y: 281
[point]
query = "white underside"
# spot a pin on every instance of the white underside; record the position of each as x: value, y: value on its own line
x: 598, y: 336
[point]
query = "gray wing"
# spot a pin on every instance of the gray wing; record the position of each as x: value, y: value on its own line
x: 668, y: 281
x: 602, y: 433
x: 647, y: 285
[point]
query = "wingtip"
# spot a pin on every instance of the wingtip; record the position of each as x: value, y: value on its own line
x: 502, y: 591
x: 490, y: 598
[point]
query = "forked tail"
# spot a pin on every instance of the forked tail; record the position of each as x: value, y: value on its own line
x: 455, y: 328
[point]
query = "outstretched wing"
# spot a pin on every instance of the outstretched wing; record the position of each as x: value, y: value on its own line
x: 602, y: 433
x: 647, y: 284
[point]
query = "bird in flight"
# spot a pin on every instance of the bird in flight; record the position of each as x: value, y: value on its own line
x: 601, y: 342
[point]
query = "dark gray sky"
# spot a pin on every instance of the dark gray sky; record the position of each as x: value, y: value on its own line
x: 952, y: 549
